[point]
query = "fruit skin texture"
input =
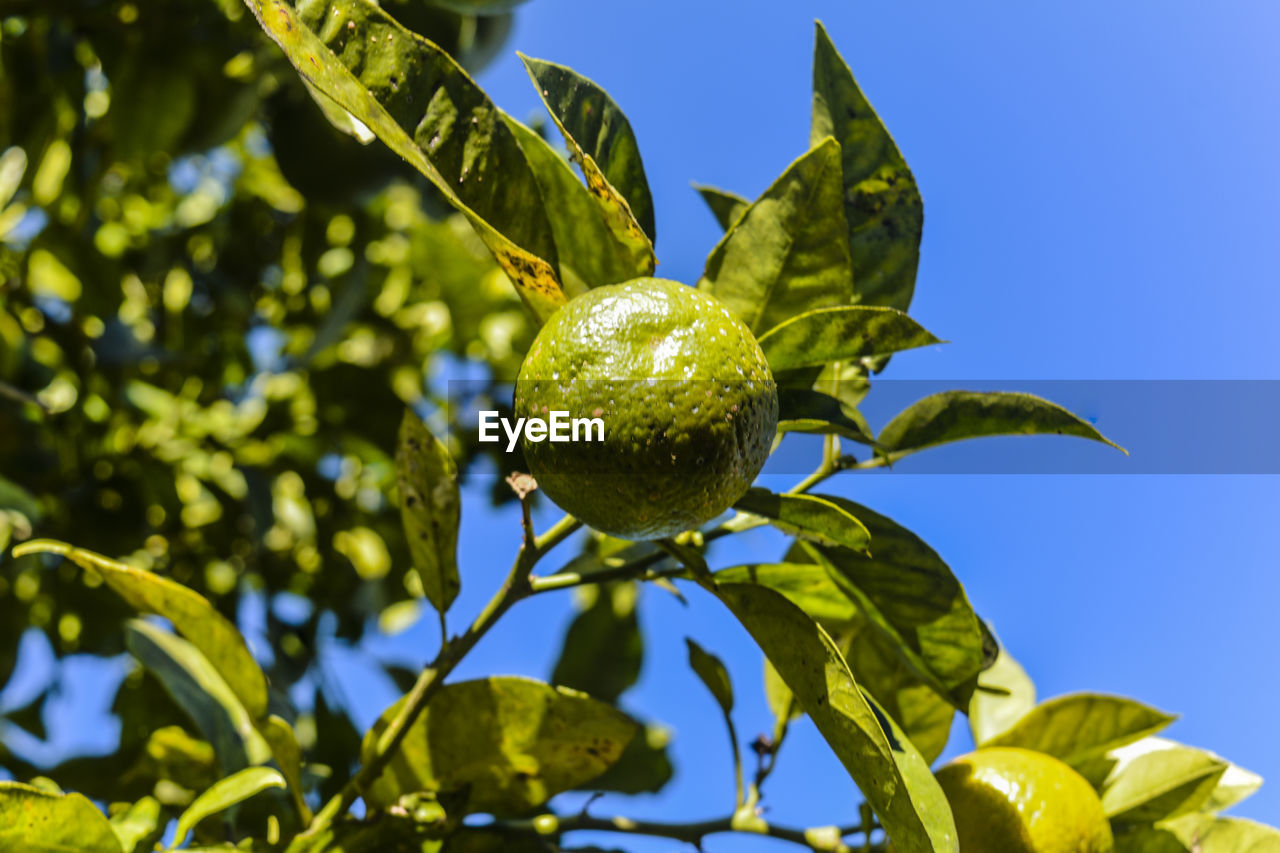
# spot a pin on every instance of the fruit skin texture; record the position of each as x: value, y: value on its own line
x: 689, y: 406
x: 1009, y: 800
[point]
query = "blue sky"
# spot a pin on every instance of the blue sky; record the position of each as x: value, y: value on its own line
x: 1102, y: 198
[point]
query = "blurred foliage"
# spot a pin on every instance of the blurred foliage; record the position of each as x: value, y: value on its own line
x: 214, y: 307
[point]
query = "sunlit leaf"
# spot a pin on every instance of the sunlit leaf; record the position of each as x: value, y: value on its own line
x: 1155, y: 779
x: 1200, y: 833
x: 430, y: 509
x: 283, y: 741
x: 1082, y: 726
x: 191, y: 614
x: 887, y: 769
x: 1011, y: 696
x: 814, y: 517
x: 224, y: 794
x: 841, y: 333
x: 138, y: 824
x: 807, y: 585
x: 507, y: 744
x: 36, y: 821
x: 882, y: 204
x: 725, y: 206
x: 958, y: 415
x: 786, y: 254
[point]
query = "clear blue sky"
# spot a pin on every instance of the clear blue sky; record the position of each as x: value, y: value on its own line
x: 1102, y: 199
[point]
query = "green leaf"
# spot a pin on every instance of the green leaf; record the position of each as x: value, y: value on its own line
x: 224, y: 794
x: 643, y: 768
x: 191, y: 614
x: 885, y: 766
x: 415, y: 98
x: 958, y: 415
x: 1200, y: 833
x: 806, y: 411
x: 34, y: 821
x: 138, y: 824
x: 806, y: 585
x: 725, y: 206
x: 430, y: 508
x: 1235, y: 785
x: 841, y: 333
x: 604, y: 147
x: 590, y: 255
x: 818, y: 518
x: 712, y: 671
x: 198, y: 688
x: 990, y: 713
x: 787, y: 253
x: 603, y: 649
x: 782, y: 702
x: 507, y: 744
x: 1082, y: 726
x: 283, y: 741
x: 387, y: 831
x: 882, y: 204
x: 478, y: 7
x: 1155, y: 779
x: 911, y: 596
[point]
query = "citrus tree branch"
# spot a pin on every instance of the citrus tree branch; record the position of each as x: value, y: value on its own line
x: 817, y: 838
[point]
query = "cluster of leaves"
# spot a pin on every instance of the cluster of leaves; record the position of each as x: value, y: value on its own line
x: 864, y: 627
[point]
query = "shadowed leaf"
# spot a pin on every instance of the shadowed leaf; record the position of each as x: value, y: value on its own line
x: 430, y: 508
x: 710, y: 669
x: 603, y: 648
x: 807, y: 411
x: 725, y: 206
x: 818, y: 518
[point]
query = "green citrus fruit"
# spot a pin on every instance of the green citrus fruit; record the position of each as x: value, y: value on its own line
x: 1008, y: 800
x: 688, y: 405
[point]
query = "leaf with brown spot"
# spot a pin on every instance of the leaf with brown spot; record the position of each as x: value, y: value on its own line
x: 430, y: 509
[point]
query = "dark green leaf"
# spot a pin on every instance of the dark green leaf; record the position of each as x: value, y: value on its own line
x: 1082, y: 726
x: 815, y: 517
x: 138, y: 825
x: 881, y: 201
x: 421, y: 104
x: 478, y: 7
x: 643, y: 768
x: 841, y: 333
x: 1155, y: 779
x: 590, y: 255
x: 712, y: 671
x: 600, y: 138
x: 991, y: 713
x: 430, y: 507
x: 787, y: 253
x: 34, y: 821
x: 224, y: 794
x: 380, y: 833
x: 807, y: 585
x: 887, y: 769
x: 201, y: 690
x: 725, y: 206
x: 807, y: 411
x: 508, y: 744
x: 191, y: 614
x: 958, y: 415
x: 603, y: 648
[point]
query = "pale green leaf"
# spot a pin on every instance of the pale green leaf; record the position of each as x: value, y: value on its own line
x: 1199, y: 833
x: 887, y: 769
x: 224, y: 794
x: 1235, y: 785
x: 787, y: 253
x: 430, y: 509
x: 841, y: 333
x: 991, y: 712
x: 818, y: 518
x: 137, y: 824
x: 1080, y: 727
x: 882, y: 204
x: 191, y: 614
x: 35, y: 821
x: 506, y: 744
x: 283, y: 741
x: 1155, y: 779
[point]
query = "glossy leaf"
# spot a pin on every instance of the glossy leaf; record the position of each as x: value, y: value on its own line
x: 910, y: 595
x: 202, y: 692
x: 786, y: 254
x: 1235, y: 785
x: 224, y: 794
x: 590, y: 255
x: 881, y: 201
x: 1155, y: 779
x: 603, y: 648
x: 958, y: 415
x: 507, y: 744
x: 818, y: 518
x: 137, y: 826
x: 711, y: 670
x: 841, y: 333
x: 1082, y: 726
x: 430, y: 508
x: 604, y: 147
x: 1012, y: 695
x: 725, y: 206
x: 434, y: 133
x: 887, y: 769
x: 35, y: 821
x: 806, y: 411
x: 191, y: 614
